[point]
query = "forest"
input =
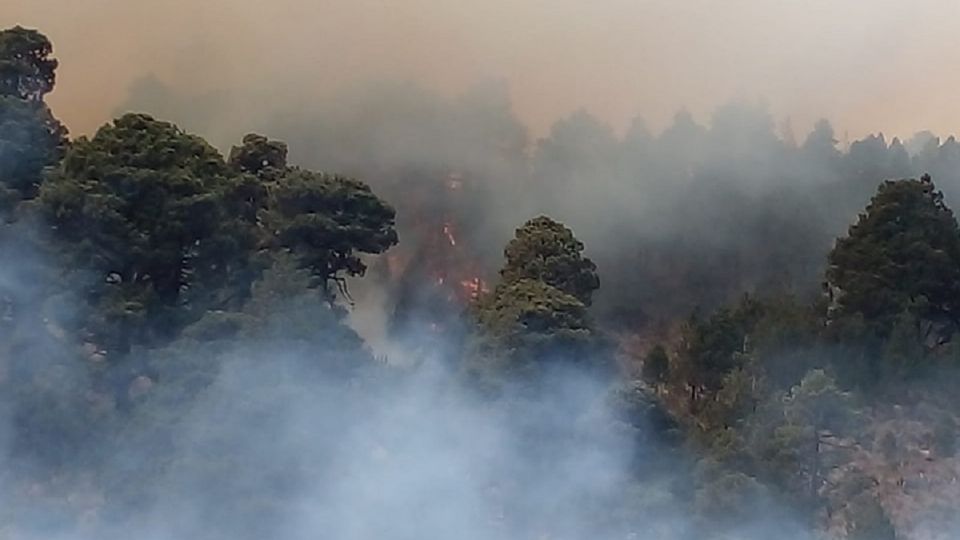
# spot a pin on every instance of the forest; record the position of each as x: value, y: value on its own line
x: 401, y: 316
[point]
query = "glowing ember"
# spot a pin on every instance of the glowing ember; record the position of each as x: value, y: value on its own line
x: 474, y: 287
x: 448, y: 232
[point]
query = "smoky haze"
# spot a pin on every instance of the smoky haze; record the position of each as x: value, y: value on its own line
x: 469, y: 119
x: 866, y: 65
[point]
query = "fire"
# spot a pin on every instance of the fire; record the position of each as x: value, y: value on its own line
x: 448, y: 232
x: 474, y: 287
x: 440, y: 275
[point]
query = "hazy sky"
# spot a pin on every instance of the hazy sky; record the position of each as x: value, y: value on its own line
x: 877, y: 65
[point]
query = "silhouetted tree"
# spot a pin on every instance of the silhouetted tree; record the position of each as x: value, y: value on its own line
x: 26, y: 69
x: 30, y: 137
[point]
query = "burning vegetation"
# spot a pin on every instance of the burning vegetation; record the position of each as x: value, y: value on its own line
x: 439, y: 274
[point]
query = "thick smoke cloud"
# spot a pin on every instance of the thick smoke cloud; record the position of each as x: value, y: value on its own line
x: 412, y: 458
x: 273, y: 446
x: 259, y: 436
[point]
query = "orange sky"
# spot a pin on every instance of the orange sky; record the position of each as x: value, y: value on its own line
x: 882, y: 65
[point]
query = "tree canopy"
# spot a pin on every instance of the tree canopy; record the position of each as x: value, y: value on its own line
x: 547, y: 251
x: 259, y: 155
x: 31, y: 139
x: 171, y: 229
x: 535, y: 319
x: 902, y: 254
x: 327, y: 221
x: 26, y: 69
x: 537, y: 313
x: 144, y: 206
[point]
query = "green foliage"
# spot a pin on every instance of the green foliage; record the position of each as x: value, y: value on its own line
x: 284, y: 309
x: 903, y: 254
x: 794, y: 442
x: 534, y: 316
x: 259, y: 156
x: 327, y: 221
x: 788, y: 441
x: 31, y: 139
x: 818, y: 402
x: 738, y: 357
x: 712, y: 348
x: 284, y: 312
x: 547, y: 251
x: 528, y: 321
x: 734, y: 401
x: 27, y: 71
x: 726, y: 498
x: 170, y: 230
x: 784, y: 340
x: 147, y: 207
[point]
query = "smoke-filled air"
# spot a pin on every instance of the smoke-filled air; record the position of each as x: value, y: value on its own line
x: 501, y: 270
